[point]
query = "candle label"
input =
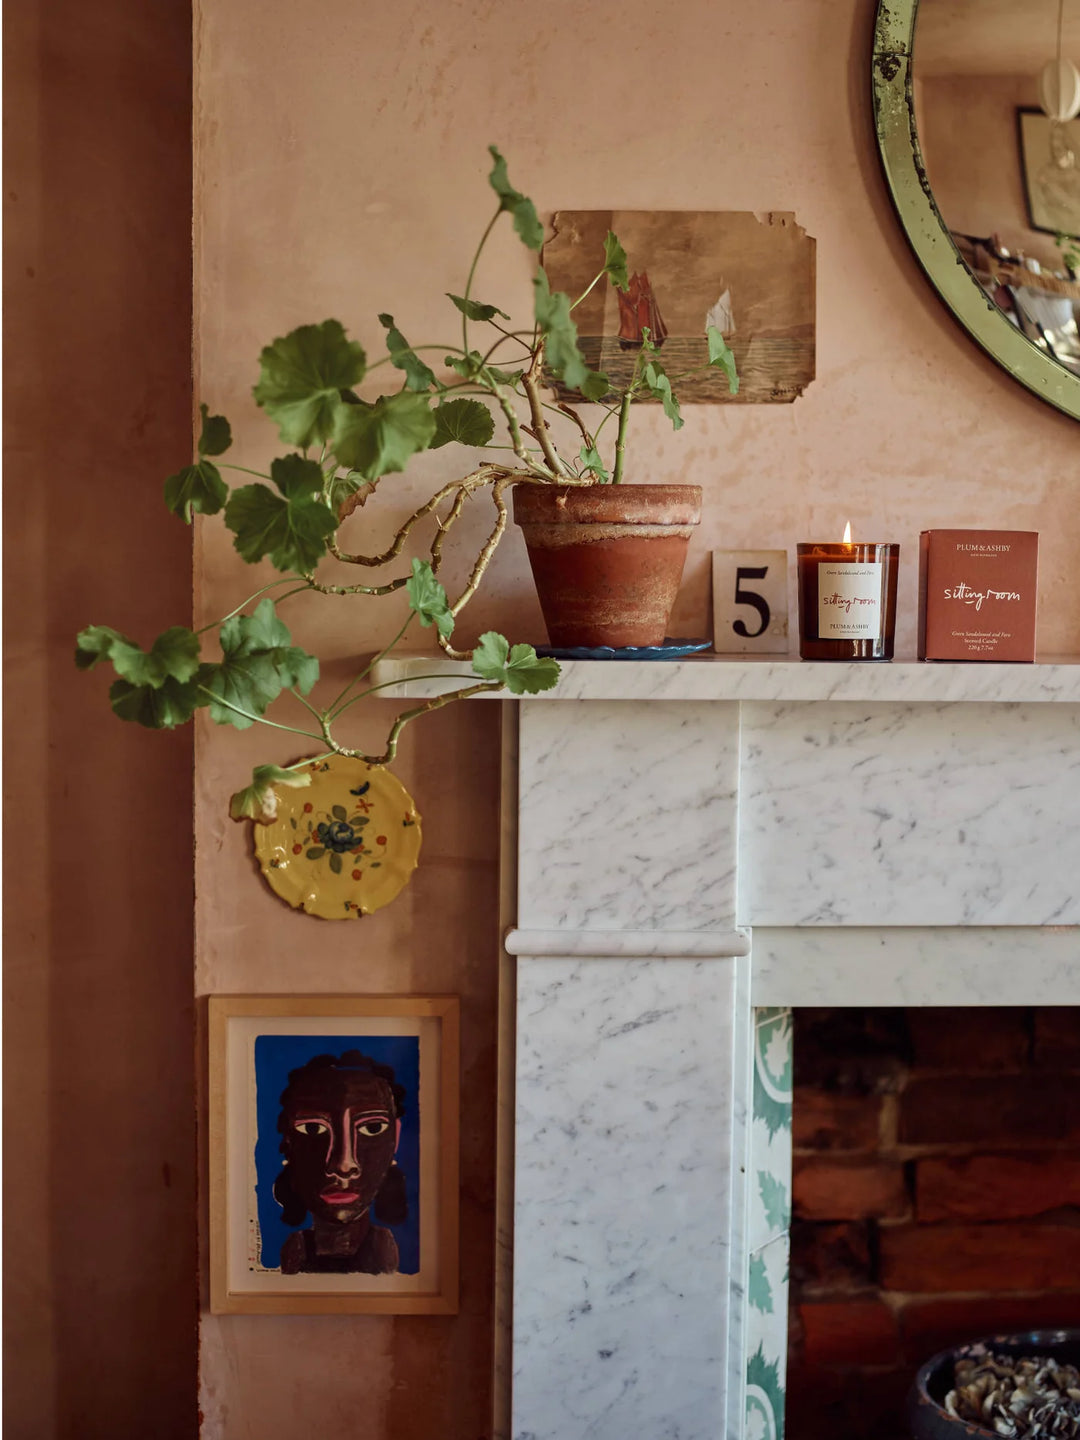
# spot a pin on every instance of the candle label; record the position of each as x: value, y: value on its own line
x: 849, y: 601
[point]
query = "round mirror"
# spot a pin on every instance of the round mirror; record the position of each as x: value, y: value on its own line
x: 986, y: 185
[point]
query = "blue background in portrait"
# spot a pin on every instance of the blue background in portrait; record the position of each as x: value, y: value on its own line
x: 275, y: 1056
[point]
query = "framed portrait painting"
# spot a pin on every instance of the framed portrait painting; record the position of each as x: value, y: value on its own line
x: 1050, y: 161
x: 333, y: 1154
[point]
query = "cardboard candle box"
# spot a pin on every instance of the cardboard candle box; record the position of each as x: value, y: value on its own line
x: 977, y: 594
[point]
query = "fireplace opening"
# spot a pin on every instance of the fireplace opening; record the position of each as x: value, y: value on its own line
x: 935, y: 1198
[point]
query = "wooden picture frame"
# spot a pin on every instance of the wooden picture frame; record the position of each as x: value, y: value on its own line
x: 1052, y: 195
x: 309, y: 1096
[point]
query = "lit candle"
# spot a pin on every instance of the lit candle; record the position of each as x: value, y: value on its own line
x: 847, y: 599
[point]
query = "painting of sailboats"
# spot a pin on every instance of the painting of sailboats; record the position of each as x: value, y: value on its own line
x: 638, y: 313
x: 721, y: 317
x: 751, y: 276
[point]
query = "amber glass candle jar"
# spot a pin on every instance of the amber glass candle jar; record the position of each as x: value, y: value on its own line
x: 847, y: 600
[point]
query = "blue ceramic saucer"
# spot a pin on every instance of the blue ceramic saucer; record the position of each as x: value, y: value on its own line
x: 668, y: 650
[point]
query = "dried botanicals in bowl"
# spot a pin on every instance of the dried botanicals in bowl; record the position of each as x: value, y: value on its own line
x: 1029, y: 1397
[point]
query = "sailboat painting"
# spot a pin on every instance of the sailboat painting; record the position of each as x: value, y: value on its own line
x: 721, y: 317
x: 751, y: 276
x: 639, y: 314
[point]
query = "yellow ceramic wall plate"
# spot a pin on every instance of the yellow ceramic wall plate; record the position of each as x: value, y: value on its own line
x: 343, y: 846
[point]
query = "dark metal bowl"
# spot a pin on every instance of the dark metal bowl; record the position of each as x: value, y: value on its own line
x: 927, y: 1416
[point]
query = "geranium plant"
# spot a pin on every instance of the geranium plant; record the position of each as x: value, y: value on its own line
x: 341, y: 449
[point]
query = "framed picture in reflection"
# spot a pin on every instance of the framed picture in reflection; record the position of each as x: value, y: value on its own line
x: 1050, y: 161
x: 333, y: 1154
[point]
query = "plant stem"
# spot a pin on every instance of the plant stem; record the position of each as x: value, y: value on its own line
x: 443, y: 528
x: 590, y: 287
x: 216, y: 624
x: 562, y: 409
x: 483, y: 476
x: 387, y: 589
x: 403, y: 719
x: 472, y: 273
x: 486, y: 553
x: 620, y: 441
x: 308, y: 760
x: 334, y: 708
x: 306, y: 704
x: 243, y: 469
x: 531, y: 382
x: 416, y: 349
x: 386, y: 685
x: 513, y: 424
x: 257, y: 719
x: 506, y: 335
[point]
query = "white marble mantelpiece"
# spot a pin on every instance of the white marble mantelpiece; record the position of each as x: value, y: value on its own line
x: 713, y: 677
x: 701, y: 845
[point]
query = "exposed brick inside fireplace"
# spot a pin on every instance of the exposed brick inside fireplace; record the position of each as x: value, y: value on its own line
x: 936, y: 1197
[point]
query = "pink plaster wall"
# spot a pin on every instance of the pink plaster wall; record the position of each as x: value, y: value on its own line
x: 100, y: 1294
x: 340, y: 171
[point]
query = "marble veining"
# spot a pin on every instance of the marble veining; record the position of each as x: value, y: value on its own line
x: 714, y: 677
x: 640, y: 837
x: 622, y: 1182
x: 915, y: 966
x: 857, y: 814
x: 893, y: 835
x: 612, y: 944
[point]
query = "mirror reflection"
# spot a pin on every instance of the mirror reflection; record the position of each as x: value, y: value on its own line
x: 996, y: 87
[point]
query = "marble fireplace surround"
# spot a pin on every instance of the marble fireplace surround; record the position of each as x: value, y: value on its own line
x: 702, y: 845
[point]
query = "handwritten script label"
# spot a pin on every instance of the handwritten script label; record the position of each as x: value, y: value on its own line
x: 849, y: 601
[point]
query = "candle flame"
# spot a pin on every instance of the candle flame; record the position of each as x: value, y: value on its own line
x: 847, y: 533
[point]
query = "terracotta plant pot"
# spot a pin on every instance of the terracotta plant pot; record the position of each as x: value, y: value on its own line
x: 607, y: 559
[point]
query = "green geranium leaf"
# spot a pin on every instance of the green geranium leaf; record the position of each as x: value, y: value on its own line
x: 467, y: 421
x: 526, y: 222
x: 659, y: 387
x: 261, y: 631
x: 595, y: 385
x: 427, y: 599
x: 259, y: 801
x: 343, y: 487
x: 258, y: 662
x: 302, y: 376
x: 553, y: 316
x: 196, y: 487
x: 520, y: 669
x: 720, y: 355
x: 265, y: 634
x: 216, y: 435
x: 615, y: 262
x: 590, y: 458
x: 504, y: 377
x: 474, y: 310
x: 174, y: 655
x: 385, y: 437
x: 95, y: 643
x: 290, y: 528
x: 467, y: 366
x: 418, y: 376
x: 159, y: 707
x: 239, y: 689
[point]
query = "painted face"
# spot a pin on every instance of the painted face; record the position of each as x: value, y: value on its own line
x: 340, y: 1135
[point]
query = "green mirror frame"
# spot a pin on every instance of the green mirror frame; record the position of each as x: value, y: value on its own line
x: 901, y: 157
